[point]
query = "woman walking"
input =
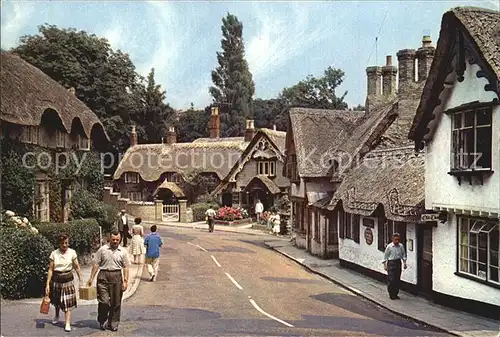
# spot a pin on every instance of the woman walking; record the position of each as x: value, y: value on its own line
x: 137, y: 245
x: 60, y: 286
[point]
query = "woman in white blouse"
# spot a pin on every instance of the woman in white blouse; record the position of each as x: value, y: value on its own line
x: 137, y: 244
x: 60, y: 286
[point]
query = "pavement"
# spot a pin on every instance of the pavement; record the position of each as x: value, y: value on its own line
x: 227, y: 284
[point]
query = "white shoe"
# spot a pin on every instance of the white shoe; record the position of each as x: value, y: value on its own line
x: 67, y: 328
x: 55, y: 320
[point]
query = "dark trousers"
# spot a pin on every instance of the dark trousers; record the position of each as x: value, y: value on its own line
x: 210, y: 225
x: 109, y: 295
x: 125, y: 235
x: 393, y: 277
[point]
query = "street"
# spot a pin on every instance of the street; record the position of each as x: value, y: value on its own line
x: 226, y: 284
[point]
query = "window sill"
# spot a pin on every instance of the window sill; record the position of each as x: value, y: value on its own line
x: 478, y: 280
x: 469, y: 173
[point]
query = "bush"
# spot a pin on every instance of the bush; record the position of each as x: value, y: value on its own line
x: 230, y: 213
x: 83, y: 234
x: 207, y: 199
x: 199, y: 210
x: 84, y: 205
x: 24, y: 263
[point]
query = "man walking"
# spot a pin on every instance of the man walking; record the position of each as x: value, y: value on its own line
x: 153, y: 243
x: 210, y: 213
x: 394, y: 253
x: 259, y: 208
x: 110, y: 260
x: 123, y: 227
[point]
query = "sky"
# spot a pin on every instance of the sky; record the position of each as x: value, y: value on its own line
x: 284, y: 40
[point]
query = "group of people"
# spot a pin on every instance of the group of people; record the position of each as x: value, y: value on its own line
x: 111, y: 264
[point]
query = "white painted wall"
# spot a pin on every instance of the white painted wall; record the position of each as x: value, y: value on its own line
x: 444, y: 257
x: 298, y: 190
x: 441, y: 189
x: 368, y: 256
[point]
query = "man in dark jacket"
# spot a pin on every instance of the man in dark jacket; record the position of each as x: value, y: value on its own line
x: 123, y: 228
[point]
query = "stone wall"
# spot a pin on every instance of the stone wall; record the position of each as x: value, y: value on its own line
x: 143, y: 209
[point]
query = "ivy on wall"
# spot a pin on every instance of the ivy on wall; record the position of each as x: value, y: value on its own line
x: 21, y: 162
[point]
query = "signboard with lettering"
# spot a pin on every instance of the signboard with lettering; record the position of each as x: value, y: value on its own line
x: 367, y: 222
x: 429, y: 217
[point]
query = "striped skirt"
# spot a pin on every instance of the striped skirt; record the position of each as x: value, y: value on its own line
x: 63, y: 292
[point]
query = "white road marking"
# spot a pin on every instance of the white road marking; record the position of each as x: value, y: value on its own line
x: 216, y: 262
x: 203, y: 249
x: 234, y: 281
x: 268, y: 315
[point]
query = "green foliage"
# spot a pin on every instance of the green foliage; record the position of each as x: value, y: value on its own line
x: 196, y: 184
x: 24, y: 263
x: 18, y: 182
x: 83, y: 234
x: 199, y: 210
x: 269, y: 112
x: 282, y: 205
x: 207, y: 199
x: 193, y: 124
x: 233, y: 83
x: 85, y: 205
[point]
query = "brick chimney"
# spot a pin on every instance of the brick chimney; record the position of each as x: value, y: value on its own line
x: 249, y: 131
x: 406, y: 60
x: 389, y: 73
x: 373, y: 81
x: 425, y: 55
x: 215, y: 123
x: 171, y: 135
x: 133, y: 137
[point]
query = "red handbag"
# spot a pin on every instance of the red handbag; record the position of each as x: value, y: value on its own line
x: 45, y: 306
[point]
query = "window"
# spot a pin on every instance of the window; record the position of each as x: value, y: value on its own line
x: 60, y: 139
x: 267, y: 168
x: 135, y: 196
x: 131, y: 178
x: 471, y: 143
x: 299, y: 216
x: 316, y: 234
x: 31, y: 134
x: 236, y: 198
x: 172, y: 177
x: 386, y: 228
x: 83, y: 143
x: 332, y: 229
x: 479, y: 247
x: 349, y: 225
x: 41, y: 202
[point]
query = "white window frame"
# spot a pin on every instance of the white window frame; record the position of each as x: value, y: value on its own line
x: 83, y: 143
x: 469, y: 231
x: 266, y: 168
x: 61, y: 137
x: 131, y: 178
x: 31, y: 134
x: 41, y: 205
x: 135, y: 196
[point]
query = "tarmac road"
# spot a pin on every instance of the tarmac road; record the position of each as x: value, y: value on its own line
x: 227, y: 284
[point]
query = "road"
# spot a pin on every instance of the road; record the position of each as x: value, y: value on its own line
x: 227, y: 284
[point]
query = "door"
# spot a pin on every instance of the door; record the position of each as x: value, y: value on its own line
x: 424, y: 256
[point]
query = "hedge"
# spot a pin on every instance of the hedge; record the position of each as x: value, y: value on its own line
x: 24, y: 263
x: 85, y: 205
x: 199, y: 210
x: 83, y: 234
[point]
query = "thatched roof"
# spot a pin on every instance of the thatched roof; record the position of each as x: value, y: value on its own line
x: 481, y: 27
x: 176, y: 190
x: 393, y: 179
x: 152, y: 160
x: 277, y: 137
x: 317, y: 135
x: 27, y: 92
x: 268, y: 183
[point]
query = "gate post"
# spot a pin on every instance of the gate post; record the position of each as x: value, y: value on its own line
x: 158, y: 210
x: 182, y: 210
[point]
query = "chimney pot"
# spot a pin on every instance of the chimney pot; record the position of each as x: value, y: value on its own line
x: 389, y: 73
x: 133, y: 136
x: 388, y: 60
x: 171, y: 135
x: 215, y: 123
x: 425, y: 55
x: 274, y: 127
x: 250, y: 131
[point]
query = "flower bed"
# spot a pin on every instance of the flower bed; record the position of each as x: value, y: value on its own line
x: 233, y: 223
x: 229, y: 216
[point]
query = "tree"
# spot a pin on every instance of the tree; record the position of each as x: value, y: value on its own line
x: 193, y: 124
x: 269, y: 112
x: 316, y: 92
x: 105, y: 80
x: 233, y: 83
x: 154, y: 116
x: 197, y: 183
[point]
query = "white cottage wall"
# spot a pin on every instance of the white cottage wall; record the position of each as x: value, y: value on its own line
x: 368, y: 256
x: 444, y: 258
x: 443, y: 190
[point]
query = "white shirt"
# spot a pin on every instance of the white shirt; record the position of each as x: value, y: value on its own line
x: 63, y: 262
x: 210, y: 212
x: 259, y: 207
x: 124, y: 219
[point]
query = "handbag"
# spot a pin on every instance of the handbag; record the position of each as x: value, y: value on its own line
x: 45, y: 305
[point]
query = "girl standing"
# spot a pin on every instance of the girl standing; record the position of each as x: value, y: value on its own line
x: 60, y: 286
x: 137, y: 245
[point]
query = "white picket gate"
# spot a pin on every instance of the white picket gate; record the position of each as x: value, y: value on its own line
x: 170, y: 213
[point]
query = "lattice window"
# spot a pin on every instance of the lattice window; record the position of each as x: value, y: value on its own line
x: 31, y: 134
x: 135, y: 196
x: 61, y: 138
x: 131, y: 178
x: 83, y: 143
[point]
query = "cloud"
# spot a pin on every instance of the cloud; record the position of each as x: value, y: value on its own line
x: 115, y: 36
x: 14, y: 20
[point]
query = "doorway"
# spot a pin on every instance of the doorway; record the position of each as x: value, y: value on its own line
x: 424, y: 256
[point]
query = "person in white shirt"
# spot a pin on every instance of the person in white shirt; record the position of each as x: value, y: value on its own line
x: 210, y: 214
x: 60, y: 287
x: 259, y: 208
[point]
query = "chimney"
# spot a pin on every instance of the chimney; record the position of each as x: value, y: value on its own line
x: 425, y: 55
x: 373, y: 81
x: 389, y: 77
x: 215, y: 123
x: 133, y: 137
x: 72, y: 90
x: 171, y: 136
x: 250, y: 130
x: 274, y: 127
x: 406, y: 60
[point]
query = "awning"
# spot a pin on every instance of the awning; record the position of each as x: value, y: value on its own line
x: 176, y: 190
x: 268, y: 183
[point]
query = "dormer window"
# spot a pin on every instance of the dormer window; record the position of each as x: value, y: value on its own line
x: 266, y: 167
x: 471, y: 139
x: 31, y: 134
x: 83, y: 143
x: 131, y: 178
x: 172, y: 177
x: 60, y: 139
